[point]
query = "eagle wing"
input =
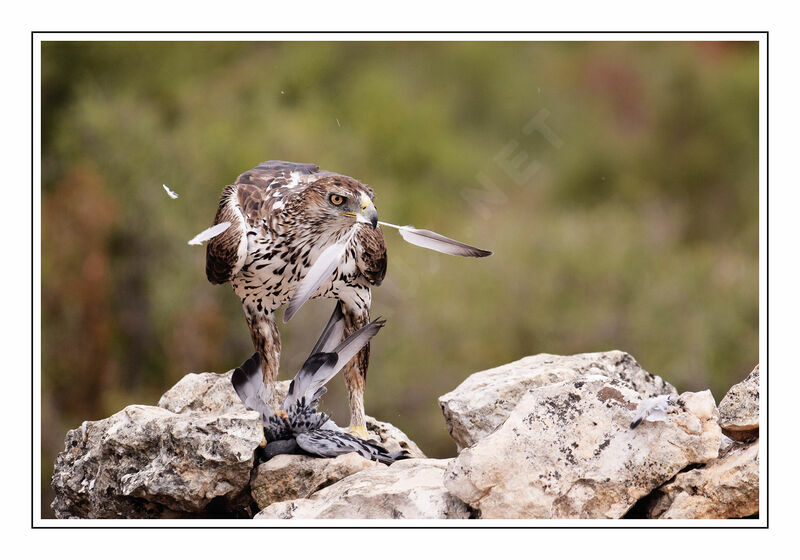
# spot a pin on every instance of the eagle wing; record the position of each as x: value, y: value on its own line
x: 249, y: 200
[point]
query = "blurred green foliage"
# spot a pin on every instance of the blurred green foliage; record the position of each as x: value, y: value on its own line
x: 617, y: 184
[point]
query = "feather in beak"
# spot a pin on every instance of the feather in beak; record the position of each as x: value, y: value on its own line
x: 437, y: 242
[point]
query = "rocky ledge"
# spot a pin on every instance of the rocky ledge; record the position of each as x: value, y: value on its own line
x: 544, y: 437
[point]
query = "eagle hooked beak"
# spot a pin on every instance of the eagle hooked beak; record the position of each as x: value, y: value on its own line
x: 368, y: 213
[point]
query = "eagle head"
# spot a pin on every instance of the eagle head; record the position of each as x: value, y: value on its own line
x: 335, y: 201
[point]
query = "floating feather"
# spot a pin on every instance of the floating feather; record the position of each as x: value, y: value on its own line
x: 437, y: 242
x: 323, y: 267
x: 209, y: 233
x: 172, y: 194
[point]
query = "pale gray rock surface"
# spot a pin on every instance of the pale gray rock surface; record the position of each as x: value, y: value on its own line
x: 567, y: 451
x: 408, y: 489
x: 146, y: 461
x: 550, y: 438
x: 288, y: 477
x: 738, y: 409
x: 724, y: 488
x: 485, y: 399
x: 392, y: 438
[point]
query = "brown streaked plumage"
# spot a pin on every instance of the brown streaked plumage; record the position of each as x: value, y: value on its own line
x: 283, y: 215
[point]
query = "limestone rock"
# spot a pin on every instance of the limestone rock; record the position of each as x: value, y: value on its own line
x: 288, y: 477
x: 724, y: 488
x: 567, y: 451
x: 191, y: 456
x: 408, y: 489
x: 146, y: 461
x: 738, y: 410
x: 208, y: 392
x: 485, y: 399
x: 392, y: 438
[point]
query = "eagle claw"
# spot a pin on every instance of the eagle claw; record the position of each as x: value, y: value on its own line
x: 359, y: 431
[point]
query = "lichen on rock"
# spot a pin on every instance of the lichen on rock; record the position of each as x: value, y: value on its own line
x: 545, y: 437
x: 738, y: 409
x: 567, y: 451
x: 485, y: 399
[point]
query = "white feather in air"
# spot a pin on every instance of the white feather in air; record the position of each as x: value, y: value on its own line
x: 653, y: 410
x: 437, y: 242
x: 209, y: 233
x: 323, y: 267
x: 172, y: 194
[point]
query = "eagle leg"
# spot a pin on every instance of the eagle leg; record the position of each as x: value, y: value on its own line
x: 355, y: 371
x: 267, y: 342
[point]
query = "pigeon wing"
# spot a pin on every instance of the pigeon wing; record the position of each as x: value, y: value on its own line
x: 248, y: 382
x: 329, y: 443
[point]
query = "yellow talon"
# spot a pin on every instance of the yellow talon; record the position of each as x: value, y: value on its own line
x: 359, y: 431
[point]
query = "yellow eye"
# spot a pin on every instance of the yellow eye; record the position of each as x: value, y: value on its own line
x: 337, y: 199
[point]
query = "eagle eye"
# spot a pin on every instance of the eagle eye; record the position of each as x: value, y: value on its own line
x: 336, y: 199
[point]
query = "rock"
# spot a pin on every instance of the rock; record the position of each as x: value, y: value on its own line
x: 738, y: 409
x: 485, y: 399
x: 567, y: 451
x: 288, y: 477
x: 408, y: 489
x: 724, y: 488
x: 191, y: 456
x: 392, y: 438
x: 208, y: 392
x: 146, y: 461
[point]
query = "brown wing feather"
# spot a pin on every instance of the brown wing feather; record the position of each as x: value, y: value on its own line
x: 246, y: 200
x: 223, y: 252
x: 267, y: 172
x: 372, y: 254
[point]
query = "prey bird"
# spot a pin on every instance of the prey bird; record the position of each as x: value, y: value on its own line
x: 288, y: 232
x: 298, y: 427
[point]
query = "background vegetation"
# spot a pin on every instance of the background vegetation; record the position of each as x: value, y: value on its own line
x: 617, y: 184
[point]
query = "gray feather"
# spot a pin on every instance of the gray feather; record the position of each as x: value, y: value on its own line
x: 248, y: 382
x: 344, y: 352
x: 320, y: 367
x: 326, y: 443
x: 437, y: 242
x: 331, y: 336
x: 351, y: 345
x: 333, y: 333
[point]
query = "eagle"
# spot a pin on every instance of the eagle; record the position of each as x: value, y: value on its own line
x: 276, y: 224
x: 282, y: 216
